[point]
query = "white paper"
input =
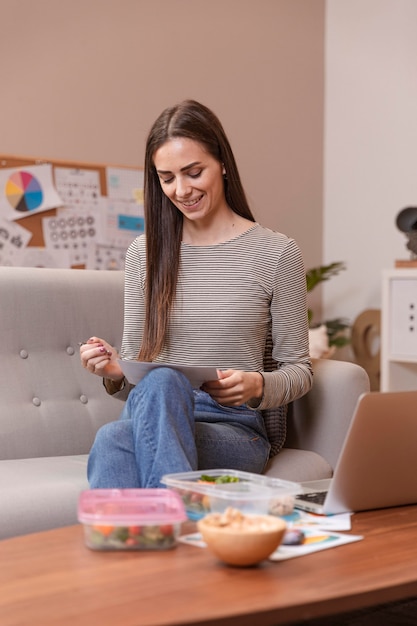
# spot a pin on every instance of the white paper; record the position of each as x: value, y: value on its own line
x: 339, y: 522
x: 78, y: 188
x: 41, y: 257
x: 197, y: 375
x: 73, y: 232
x: 13, y: 239
x: 105, y: 257
x: 125, y: 184
x: 124, y: 222
x: 314, y: 541
x: 125, y: 213
x: 27, y: 190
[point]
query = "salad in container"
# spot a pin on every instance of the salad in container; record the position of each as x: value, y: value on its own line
x: 131, y: 519
x: 213, y: 491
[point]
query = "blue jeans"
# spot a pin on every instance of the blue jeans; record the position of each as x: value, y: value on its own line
x: 168, y: 427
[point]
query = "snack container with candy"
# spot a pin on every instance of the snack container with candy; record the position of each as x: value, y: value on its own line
x: 213, y: 491
x: 130, y: 519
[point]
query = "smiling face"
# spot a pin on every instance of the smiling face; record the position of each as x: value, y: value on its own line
x: 191, y: 178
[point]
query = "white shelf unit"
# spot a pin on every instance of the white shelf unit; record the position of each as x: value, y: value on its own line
x: 399, y: 330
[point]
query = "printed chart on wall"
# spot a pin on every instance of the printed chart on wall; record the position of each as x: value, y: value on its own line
x: 76, y: 227
x: 27, y: 190
x: 88, y: 225
x: 125, y: 218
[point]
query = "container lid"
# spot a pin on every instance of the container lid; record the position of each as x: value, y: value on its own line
x: 130, y: 506
x: 258, y: 486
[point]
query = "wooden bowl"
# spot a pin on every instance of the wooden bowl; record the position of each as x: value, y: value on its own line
x: 241, y: 540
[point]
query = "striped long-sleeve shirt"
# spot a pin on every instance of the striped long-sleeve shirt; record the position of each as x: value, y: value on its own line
x: 230, y: 298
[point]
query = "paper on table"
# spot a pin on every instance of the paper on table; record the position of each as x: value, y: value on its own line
x: 197, y: 375
x: 341, y: 521
x: 314, y: 541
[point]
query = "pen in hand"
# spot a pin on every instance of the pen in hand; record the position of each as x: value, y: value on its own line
x: 84, y: 343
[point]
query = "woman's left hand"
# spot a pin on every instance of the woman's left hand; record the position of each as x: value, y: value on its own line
x: 235, y: 387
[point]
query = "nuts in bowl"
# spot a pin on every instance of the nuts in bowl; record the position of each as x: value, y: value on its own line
x: 239, y: 539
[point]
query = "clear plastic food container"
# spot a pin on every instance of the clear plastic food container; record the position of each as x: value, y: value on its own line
x: 131, y: 519
x: 212, y: 491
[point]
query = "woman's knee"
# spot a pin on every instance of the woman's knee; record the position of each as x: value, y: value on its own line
x: 160, y: 383
x: 162, y: 377
x: 106, y: 436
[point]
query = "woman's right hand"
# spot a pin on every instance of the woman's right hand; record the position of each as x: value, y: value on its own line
x: 100, y: 358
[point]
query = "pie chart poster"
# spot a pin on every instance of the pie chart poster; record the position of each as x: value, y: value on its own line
x: 27, y: 190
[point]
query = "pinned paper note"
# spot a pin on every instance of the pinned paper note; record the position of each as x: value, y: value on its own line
x: 27, y: 190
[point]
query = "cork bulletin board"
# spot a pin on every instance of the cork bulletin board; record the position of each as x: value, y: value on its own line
x: 56, y: 213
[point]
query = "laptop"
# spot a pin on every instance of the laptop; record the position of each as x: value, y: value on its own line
x: 377, y: 466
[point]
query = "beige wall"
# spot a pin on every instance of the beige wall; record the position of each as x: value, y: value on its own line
x: 84, y: 80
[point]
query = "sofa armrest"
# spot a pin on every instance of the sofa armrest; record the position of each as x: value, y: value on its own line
x: 319, y: 420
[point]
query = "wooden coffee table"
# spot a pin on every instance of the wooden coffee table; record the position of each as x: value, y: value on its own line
x: 52, y: 579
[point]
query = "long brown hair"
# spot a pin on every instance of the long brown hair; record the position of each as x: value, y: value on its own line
x: 163, y: 221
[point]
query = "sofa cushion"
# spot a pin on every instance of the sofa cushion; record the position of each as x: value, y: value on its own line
x: 298, y: 466
x: 41, y: 493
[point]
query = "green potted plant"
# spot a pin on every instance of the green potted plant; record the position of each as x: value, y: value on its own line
x: 335, y: 328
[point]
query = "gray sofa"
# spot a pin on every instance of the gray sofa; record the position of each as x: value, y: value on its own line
x: 51, y: 407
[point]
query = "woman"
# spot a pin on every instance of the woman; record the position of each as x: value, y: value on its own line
x: 206, y: 285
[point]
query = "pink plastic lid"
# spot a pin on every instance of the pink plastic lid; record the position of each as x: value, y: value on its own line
x: 130, y: 506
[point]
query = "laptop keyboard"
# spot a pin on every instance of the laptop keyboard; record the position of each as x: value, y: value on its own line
x: 317, y: 497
